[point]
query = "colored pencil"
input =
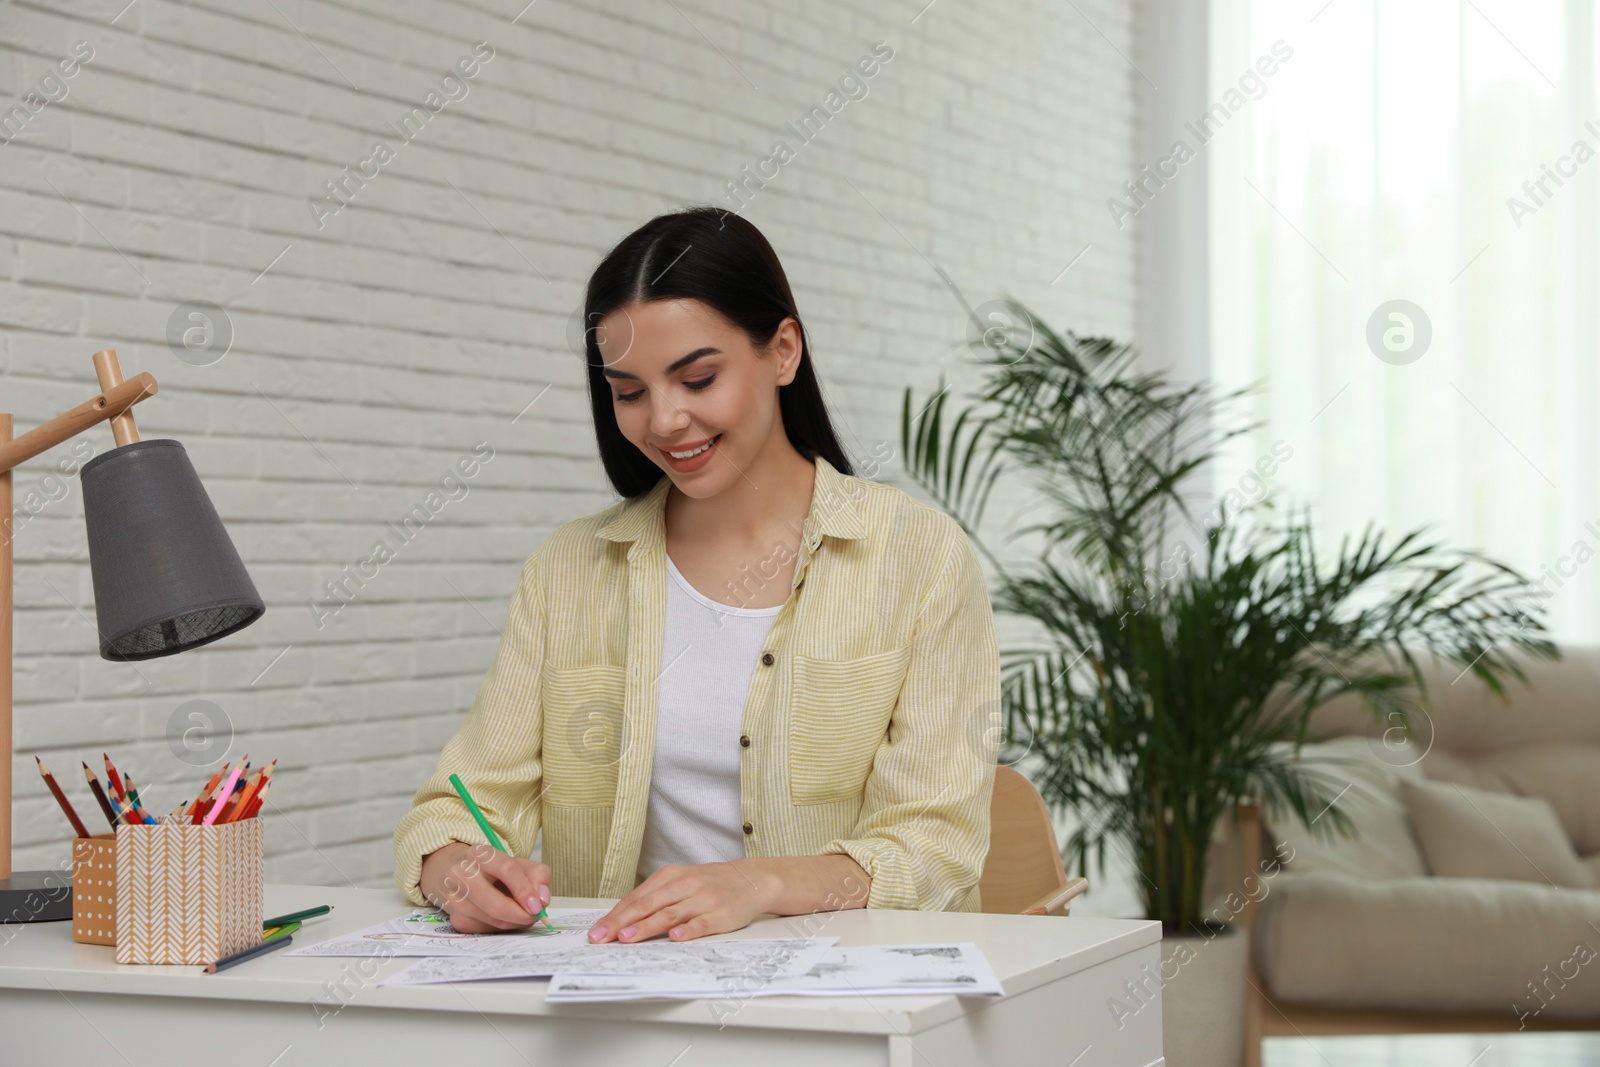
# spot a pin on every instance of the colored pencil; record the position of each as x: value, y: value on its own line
x: 483, y: 824
x: 218, y: 794
x: 222, y: 796
x: 472, y: 807
x: 249, y: 953
x: 112, y: 779
x: 279, y: 931
x: 100, y: 795
x: 249, y: 794
x: 128, y: 815
x: 258, y: 802
x: 142, y: 816
x: 195, y: 808
x: 235, y: 803
x: 296, y: 916
x: 132, y: 796
x: 61, y: 798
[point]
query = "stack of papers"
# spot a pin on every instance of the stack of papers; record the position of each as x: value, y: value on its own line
x: 580, y: 971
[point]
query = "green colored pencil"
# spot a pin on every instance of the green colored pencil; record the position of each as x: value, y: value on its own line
x: 294, y: 916
x: 280, y: 931
x: 483, y: 824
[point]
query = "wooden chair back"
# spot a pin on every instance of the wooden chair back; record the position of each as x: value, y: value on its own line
x: 1023, y: 874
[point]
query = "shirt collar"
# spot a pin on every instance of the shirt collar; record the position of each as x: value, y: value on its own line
x: 833, y: 511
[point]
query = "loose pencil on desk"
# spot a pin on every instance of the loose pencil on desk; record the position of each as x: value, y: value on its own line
x: 252, y: 951
x: 61, y: 798
x: 100, y: 795
x: 238, y: 810
x: 296, y: 916
x: 222, y: 796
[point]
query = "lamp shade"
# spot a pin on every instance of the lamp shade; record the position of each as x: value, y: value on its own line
x: 166, y: 575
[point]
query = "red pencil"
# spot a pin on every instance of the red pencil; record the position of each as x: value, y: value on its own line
x: 61, y: 798
x: 237, y: 809
x: 113, y: 779
x: 256, y: 804
x: 199, y: 801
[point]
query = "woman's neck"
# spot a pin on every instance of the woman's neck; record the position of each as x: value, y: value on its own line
x: 770, y: 498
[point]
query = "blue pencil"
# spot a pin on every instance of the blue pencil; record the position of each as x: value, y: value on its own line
x: 249, y: 953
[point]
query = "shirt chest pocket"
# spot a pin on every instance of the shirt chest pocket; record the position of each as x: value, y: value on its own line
x: 582, y: 734
x: 839, y: 715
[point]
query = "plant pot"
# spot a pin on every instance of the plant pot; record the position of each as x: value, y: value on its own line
x: 1203, y: 995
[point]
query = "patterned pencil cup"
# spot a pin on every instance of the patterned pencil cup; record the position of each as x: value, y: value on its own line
x: 186, y: 893
x: 94, y: 888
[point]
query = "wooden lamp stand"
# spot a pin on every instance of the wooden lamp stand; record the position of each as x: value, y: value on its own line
x: 35, y: 896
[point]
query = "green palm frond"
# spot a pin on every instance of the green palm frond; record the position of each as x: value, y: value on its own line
x: 1178, y: 676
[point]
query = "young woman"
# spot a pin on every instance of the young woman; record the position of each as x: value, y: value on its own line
x: 755, y: 685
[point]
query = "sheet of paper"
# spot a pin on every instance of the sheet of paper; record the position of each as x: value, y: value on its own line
x: 702, y: 959
x: 427, y: 932
x: 876, y: 970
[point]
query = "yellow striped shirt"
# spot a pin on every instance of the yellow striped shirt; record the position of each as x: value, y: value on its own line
x: 871, y: 726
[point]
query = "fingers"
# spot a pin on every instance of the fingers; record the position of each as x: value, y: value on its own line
x: 657, y: 923
x: 628, y: 920
x: 526, y: 881
x: 485, y: 890
x: 699, y: 926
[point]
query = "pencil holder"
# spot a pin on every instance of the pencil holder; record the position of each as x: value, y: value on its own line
x: 186, y: 893
x: 94, y: 886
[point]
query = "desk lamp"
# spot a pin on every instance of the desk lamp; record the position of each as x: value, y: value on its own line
x: 166, y: 576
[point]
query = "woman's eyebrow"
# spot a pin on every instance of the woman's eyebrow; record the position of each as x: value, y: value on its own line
x: 677, y: 364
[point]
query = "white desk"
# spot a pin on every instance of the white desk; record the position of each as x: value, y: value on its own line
x: 68, y: 1003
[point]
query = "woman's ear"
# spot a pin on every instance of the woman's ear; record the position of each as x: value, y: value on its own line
x: 788, y: 345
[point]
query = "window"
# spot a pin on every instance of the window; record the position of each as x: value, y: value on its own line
x: 1444, y: 154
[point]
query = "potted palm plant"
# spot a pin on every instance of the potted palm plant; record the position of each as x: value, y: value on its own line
x: 1183, y: 654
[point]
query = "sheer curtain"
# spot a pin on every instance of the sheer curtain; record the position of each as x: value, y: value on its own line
x: 1444, y: 153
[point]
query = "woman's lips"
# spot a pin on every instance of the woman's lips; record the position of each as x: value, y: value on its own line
x: 695, y: 462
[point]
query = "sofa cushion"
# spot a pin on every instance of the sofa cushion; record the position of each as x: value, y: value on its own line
x: 1479, y: 833
x: 1567, y: 775
x: 1368, y: 791
x: 1431, y: 944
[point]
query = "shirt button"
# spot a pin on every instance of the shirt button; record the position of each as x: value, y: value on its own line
x: 744, y: 740
x: 749, y: 829
x: 766, y: 657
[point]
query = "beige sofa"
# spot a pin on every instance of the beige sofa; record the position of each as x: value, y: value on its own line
x: 1471, y: 899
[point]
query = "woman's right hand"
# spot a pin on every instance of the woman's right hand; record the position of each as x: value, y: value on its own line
x: 484, y: 890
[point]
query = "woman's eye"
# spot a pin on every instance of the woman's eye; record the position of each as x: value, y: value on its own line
x: 702, y: 383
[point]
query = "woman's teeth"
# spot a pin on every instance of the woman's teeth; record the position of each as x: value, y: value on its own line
x: 696, y: 452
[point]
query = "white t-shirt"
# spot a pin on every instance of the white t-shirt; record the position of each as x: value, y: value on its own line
x: 708, y: 656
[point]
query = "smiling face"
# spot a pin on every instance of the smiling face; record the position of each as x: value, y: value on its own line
x: 683, y: 377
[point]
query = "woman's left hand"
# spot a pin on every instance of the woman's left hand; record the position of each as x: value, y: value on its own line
x: 685, y: 902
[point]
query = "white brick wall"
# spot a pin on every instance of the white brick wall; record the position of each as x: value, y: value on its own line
x: 376, y: 351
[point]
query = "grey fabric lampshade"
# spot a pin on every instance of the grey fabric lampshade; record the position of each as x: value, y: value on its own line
x: 166, y: 575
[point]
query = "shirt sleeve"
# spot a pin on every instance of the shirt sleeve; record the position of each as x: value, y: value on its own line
x: 496, y: 751
x: 923, y: 832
